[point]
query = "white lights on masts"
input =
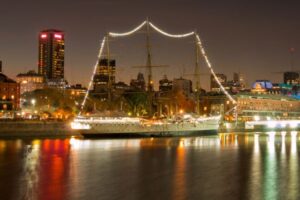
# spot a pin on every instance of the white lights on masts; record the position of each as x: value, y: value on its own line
x: 111, y: 34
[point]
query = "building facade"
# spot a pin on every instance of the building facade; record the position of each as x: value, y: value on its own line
x: 105, y: 75
x: 30, y: 81
x: 51, y: 55
x: 9, y: 93
x: 267, y: 106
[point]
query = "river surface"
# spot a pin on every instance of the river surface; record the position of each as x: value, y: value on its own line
x: 224, y: 166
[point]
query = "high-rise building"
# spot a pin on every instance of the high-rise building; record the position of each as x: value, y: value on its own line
x: 291, y: 78
x: 105, y: 75
x: 51, y: 55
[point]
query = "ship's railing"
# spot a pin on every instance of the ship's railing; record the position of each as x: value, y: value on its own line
x: 108, y: 120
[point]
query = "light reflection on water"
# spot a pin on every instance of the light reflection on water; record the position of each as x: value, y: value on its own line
x: 227, y: 166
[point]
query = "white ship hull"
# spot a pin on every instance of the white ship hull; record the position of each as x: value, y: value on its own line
x: 130, y: 127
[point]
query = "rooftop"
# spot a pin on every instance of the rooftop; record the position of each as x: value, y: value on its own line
x: 5, y: 79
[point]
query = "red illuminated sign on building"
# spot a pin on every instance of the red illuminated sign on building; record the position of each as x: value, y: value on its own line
x: 58, y: 36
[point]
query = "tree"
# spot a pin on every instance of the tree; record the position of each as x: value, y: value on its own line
x: 137, y: 101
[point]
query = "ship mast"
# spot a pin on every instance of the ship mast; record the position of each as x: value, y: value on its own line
x: 148, y: 63
x: 109, y: 71
x: 149, y: 69
x: 197, y: 76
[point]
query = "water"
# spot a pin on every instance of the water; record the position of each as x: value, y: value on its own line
x: 227, y: 166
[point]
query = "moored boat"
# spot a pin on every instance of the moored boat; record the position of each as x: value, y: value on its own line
x: 186, y: 125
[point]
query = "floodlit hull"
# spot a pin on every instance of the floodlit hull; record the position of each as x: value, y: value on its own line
x: 98, y: 129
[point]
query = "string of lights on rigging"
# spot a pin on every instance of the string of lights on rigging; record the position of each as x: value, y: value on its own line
x: 199, y: 43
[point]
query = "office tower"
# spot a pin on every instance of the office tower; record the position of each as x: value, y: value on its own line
x: 51, y: 55
x: 105, y: 75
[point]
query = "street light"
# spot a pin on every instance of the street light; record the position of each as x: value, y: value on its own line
x: 33, y: 101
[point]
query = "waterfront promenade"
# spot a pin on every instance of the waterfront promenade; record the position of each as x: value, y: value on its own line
x: 36, y: 129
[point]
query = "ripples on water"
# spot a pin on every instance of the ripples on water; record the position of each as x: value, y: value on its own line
x: 227, y: 166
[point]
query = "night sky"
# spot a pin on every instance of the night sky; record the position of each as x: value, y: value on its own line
x: 251, y: 37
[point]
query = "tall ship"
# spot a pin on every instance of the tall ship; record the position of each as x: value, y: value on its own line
x: 185, y: 125
x: 174, y: 124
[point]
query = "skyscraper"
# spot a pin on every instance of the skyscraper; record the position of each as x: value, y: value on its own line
x: 51, y: 55
x: 105, y: 75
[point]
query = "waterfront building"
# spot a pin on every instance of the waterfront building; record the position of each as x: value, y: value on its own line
x: 291, y: 78
x: 30, y: 81
x: 52, y: 56
x: 214, y: 86
x: 266, y: 107
x: 214, y: 104
x: 105, y: 75
x: 139, y: 83
x: 9, y: 93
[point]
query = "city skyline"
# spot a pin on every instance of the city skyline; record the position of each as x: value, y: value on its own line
x: 232, y: 43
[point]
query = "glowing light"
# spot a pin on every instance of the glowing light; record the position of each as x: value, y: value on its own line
x: 92, y: 77
x: 256, y: 118
x: 294, y: 142
x: 294, y: 133
x: 80, y: 126
x: 58, y: 36
x: 256, y: 143
x: 33, y: 101
x: 171, y: 35
x: 293, y: 124
x: 129, y: 32
x: 211, y: 69
x: 44, y: 36
x: 283, y: 133
x: 283, y: 124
